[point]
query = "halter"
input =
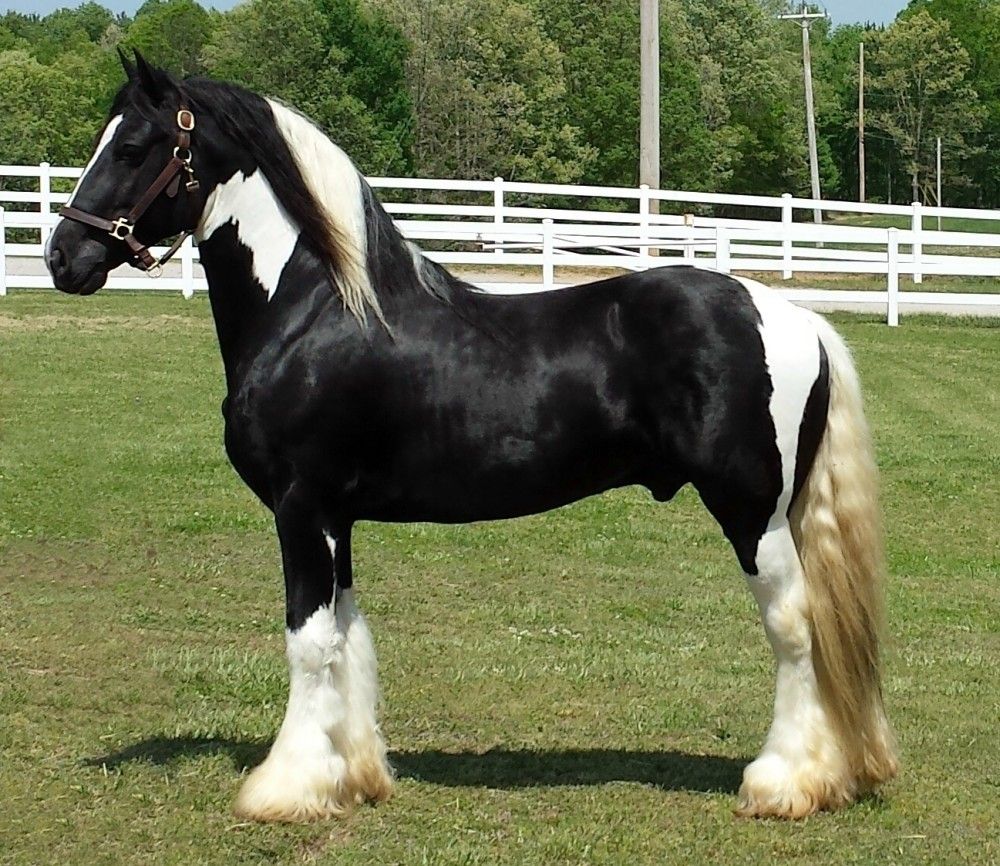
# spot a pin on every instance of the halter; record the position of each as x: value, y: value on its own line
x: 122, y: 228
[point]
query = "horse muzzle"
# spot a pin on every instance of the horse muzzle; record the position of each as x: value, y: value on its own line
x: 80, y: 269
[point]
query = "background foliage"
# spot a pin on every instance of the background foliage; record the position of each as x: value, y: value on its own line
x: 535, y: 90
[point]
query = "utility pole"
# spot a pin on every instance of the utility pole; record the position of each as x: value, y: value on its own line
x: 939, y: 180
x: 649, y: 89
x: 861, y: 122
x: 805, y: 20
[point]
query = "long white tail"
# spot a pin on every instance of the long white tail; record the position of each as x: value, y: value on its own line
x: 837, y: 526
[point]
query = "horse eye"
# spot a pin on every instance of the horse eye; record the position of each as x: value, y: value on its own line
x: 130, y: 152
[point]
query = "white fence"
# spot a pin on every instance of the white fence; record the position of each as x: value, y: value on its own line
x: 606, y: 227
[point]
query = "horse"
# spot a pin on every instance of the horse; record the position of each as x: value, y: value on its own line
x: 365, y: 382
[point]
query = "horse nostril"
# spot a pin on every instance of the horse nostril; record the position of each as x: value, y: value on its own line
x: 57, y: 261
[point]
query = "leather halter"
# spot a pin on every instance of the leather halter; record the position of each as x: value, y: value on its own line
x: 169, y: 179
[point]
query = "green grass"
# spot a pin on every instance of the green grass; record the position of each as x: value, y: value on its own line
x: 877, y: 283
x: 929, y: 223
x: 579, y: 687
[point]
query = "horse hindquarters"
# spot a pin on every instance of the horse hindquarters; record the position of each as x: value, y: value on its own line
x: 818, y: 585
x: 837, y: 526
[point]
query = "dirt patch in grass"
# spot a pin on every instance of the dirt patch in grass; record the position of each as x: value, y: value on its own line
x: 89, y: 324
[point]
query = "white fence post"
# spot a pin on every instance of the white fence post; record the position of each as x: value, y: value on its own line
x: 689, y: 238
x: 917, y: 227
x: 187, y: 268
x: 644, y: 225
x: 548, y: 255
x: 892, y: 256
x: 45, y: 197
x: 786, y: 236
x: 3, y: 254
x: 722, y: 249
x: 498, y: 213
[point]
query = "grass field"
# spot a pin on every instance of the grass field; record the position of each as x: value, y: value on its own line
x: 579, y: 687
x: 928, y: 223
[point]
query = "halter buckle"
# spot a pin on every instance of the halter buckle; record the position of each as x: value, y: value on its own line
x: 121, y: 228
x: 155, y: 271
x: 185, y: 120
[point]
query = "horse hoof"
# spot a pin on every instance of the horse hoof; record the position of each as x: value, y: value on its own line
x: 276, y: 793
x: 772, y: 788
x: 370, y: 778
x: 273, y: 793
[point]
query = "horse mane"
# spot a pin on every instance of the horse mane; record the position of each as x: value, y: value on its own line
x: 323, y: 192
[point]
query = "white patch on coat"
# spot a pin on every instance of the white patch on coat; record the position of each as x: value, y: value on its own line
x: 304, y: 772
x: 801, y: 756
x: 262, y: 224
x: 791, y: 353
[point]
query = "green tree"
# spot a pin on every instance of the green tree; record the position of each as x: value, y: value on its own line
x: 373, y: 67
x: 751, y: 87
x: 46, y: 114
x: 835, y: 76
x: 173, y: 34
x: 976, y: 25
x: 599, y: 43
x: 310, y: 73
x: 489, y: 92
x: 90, y: 18
x: 918, y: 82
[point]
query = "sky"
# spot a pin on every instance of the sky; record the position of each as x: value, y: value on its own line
x: 841, y: 11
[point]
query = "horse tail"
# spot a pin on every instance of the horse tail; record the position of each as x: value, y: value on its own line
x: 837, y: 527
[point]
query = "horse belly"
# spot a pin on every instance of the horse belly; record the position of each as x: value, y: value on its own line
x: 508, y: 471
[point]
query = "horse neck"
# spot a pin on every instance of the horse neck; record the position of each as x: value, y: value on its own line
x: 245, y: 240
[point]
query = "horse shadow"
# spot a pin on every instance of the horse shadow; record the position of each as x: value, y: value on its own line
x: 500, y: 768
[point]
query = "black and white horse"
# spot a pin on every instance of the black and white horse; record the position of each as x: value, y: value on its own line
x: 366, y: 383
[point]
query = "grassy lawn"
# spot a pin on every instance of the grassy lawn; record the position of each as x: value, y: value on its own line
x: 579, y: 687
x: 929, y: 223
x: 877, y: 283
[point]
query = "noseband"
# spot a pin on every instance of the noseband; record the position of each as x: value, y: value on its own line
x: 169, y: 179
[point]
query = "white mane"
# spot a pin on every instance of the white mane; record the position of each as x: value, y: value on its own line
x: 335, y: 183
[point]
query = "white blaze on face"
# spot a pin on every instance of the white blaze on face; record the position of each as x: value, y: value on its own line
x: 106, y: 136
x: 791, y: 352
x: 261, y: 223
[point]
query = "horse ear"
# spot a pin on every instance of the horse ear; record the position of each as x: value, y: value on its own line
x: 127, y: 64
x: 151, y: 80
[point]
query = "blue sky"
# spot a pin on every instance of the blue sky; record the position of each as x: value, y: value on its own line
x: 842, y: 11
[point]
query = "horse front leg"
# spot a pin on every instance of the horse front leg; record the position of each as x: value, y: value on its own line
x: 329, y: 755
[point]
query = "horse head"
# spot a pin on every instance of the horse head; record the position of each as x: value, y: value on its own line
x: 145, y: 182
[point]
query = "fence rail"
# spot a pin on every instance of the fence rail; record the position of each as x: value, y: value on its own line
x: 606, y: 227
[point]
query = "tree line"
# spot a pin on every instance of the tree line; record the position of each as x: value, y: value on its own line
x: 548, y: 90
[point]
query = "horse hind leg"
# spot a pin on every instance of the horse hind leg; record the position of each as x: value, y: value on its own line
x: 328, y: 756
x: 802, y: 768
x: 816, y: 570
